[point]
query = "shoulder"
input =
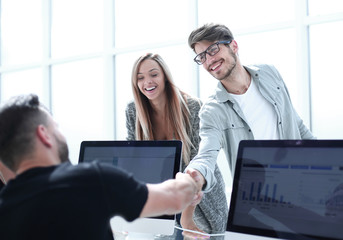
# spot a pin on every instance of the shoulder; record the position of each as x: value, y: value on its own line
x: 130, y: 109
x: 266, y: 75
x: 78, y: 170
x: 194, y: 104
x: 263, y: 70
x: 215, y: 112
x: 91, y: 171
x: 262, y: 66
x: 211, y: 103
x: 131, y: 106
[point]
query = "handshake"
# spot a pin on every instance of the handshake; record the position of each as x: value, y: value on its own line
x: 174, y: 195
x: 193, y: 182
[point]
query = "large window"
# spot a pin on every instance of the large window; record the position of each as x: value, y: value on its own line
x: 326, y: 82
x: 77, y: 55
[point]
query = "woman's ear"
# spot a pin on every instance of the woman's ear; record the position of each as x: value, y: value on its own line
x: 44, y: 135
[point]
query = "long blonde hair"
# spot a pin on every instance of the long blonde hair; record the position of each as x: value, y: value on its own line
x: 176, y: 109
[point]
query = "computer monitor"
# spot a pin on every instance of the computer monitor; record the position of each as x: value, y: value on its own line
x: 150, y: 162
x: 287, y: 189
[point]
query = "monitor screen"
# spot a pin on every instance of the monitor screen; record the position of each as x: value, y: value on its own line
x: 148, y: 161
x: 288, y: 189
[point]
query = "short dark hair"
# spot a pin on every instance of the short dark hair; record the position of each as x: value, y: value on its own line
x: 210, y: 32
x: 19, y: 118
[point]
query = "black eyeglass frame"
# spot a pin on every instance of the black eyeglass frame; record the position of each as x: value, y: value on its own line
x: 206, y: 51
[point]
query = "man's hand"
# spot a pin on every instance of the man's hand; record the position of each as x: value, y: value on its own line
x: 198, y: 178
x: 171, y: 196
x: 197, y: 194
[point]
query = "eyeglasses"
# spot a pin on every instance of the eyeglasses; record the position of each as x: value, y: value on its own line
x: 211, y: 50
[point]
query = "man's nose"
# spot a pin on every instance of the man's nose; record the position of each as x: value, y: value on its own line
x: 209, y: 59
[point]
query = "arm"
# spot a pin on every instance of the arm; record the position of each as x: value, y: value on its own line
x: 130, y: 113
x: 205, y: 161
x: 187, y: 221
x: 171, y: 196
x: 194, y: 105
x: 305, y: 133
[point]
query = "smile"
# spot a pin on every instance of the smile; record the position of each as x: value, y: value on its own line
x: 150, y: 89
x: 215, y: 66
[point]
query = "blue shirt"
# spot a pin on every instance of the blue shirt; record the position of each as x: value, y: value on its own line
x: 223, y: 125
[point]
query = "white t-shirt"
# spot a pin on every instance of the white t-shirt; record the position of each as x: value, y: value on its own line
x: 259, y: 113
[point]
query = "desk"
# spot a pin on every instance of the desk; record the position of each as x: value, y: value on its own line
x: 176, y: 236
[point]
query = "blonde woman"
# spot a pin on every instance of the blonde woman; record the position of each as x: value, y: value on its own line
x: 160, y: 111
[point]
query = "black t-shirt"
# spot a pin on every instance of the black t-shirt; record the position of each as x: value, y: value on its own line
x: 68, y: 202
x: 1, y: 185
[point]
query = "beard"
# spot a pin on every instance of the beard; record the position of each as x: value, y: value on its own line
x: 230, y: 69
x: 63, y: 151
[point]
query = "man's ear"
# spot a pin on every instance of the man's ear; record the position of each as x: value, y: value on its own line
x: 234, y: 46
x: 44, y: 135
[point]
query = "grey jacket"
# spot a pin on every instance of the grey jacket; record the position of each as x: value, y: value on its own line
x: 223, y: 125
x: 212, y: 212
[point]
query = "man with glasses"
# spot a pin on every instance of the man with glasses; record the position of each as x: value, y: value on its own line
x: 250, y: 102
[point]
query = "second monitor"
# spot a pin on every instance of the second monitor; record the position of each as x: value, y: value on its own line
x: 148, y: 161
